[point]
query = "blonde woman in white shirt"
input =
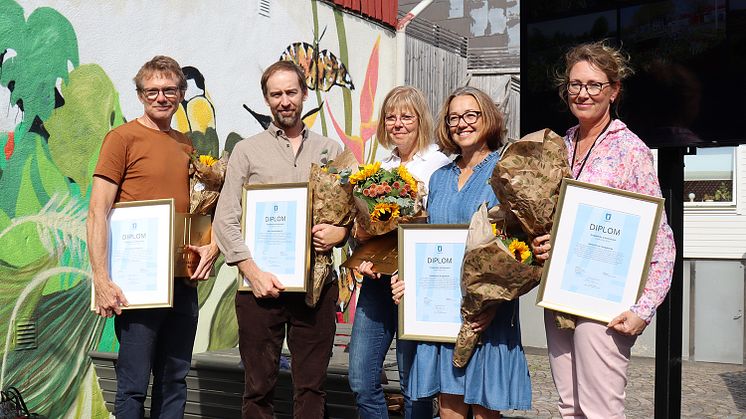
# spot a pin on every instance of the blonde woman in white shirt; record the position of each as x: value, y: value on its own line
x: 406, y: 126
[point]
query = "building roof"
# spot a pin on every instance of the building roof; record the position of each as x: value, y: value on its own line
x: 383, y: 11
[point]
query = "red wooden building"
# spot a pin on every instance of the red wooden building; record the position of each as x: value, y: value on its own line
x: 383, y: 11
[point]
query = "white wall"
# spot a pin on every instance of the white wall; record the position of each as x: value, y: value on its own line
x: 719, y: 232
x: 228, y: 41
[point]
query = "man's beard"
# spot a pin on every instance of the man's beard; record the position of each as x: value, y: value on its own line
x: 286, y: 122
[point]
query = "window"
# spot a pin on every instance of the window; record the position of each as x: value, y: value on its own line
x: 709, y: 177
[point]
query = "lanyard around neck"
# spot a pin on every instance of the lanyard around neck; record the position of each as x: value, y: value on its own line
x: 588, y: 154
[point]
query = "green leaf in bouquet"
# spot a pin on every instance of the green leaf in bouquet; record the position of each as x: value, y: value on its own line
x: 519, y: 249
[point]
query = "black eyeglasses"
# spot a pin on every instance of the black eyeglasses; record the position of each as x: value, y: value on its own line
x: 593, y: 88
x: 168, y: 92
x: 469, y: 117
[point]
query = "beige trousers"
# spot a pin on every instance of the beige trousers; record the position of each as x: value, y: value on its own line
x: 589, y: 368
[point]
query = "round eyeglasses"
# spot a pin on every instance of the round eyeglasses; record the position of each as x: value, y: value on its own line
x: 593, y: 88
x: 168, y: 92
x: 405, y: 119
x: 469, y: 117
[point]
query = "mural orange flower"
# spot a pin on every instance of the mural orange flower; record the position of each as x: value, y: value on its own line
x: 356, y: 143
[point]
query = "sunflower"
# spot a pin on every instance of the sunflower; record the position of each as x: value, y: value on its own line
x: 384, y: 211
x: 207, y: 159
x: 367, y: 171
x: 407, y: 177
x: 520, y: 250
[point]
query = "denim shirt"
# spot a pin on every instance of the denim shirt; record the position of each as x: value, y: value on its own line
x: 448, y: 205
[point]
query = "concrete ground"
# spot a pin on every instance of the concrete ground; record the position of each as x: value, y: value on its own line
x: 708, y: 390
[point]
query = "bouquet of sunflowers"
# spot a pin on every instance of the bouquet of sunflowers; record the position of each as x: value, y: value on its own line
x: 384, y: 198
x: 497, y: 265
x: 206, y: 175
x: 518, y: 248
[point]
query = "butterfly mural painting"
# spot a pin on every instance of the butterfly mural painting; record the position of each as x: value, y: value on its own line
x: 322, y: 68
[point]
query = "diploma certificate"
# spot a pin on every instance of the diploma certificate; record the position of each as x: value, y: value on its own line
x: 602, y: 242
x: 276, y: 228
x: 141, y: 252
x: 430, y: 259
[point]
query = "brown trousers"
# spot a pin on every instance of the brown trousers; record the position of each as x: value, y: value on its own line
x: 262, y: 324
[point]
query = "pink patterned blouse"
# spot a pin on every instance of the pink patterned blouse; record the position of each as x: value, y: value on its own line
x: 621, y: 160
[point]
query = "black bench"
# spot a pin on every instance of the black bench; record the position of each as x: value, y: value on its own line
x: 215, y: 382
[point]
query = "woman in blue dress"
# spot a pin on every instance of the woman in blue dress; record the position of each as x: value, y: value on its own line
x: 496, y: 378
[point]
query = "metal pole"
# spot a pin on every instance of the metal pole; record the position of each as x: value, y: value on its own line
x: 669, y: 317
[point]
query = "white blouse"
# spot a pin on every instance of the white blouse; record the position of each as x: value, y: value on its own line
x: 422, y: 165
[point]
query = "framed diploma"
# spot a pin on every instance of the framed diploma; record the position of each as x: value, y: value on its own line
x: 141, y: 250
x: 276, y: 226
x: 602, y: 243
x: 430, y: 259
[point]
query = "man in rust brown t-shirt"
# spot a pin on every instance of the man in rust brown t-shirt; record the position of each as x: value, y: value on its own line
x: 142, y: 160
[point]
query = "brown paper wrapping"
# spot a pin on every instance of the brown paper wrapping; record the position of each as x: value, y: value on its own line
x: 526, y: 182
x: 331, y: 204
x: 205, y: 183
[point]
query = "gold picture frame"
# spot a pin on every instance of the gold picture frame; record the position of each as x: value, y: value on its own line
x: 430, y: 259
x: 282, y: 232
x: 602, y: 243
x: 141, y: 252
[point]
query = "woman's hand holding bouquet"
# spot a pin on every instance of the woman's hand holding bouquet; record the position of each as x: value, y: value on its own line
x: 498, y: 266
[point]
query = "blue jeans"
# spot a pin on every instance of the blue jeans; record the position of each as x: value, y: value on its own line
x: 161, y: 340
x: 372, y: 332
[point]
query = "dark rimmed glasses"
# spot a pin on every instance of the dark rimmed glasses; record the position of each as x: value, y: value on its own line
x: 593, y: 88
x: 469, y: 117
x: 168, y: 92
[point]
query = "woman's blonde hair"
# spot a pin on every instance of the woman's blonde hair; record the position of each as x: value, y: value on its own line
x: 610, y: 60
x: 492, y: 121
x: 406, y: 98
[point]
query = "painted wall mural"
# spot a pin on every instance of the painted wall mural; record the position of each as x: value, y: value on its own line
x: 66, y: 73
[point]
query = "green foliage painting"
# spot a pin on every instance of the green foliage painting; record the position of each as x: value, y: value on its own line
x: 49, y: 157
x: 44, y: 271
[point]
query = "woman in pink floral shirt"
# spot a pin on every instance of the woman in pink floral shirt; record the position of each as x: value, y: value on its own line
x: 589, y: 363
